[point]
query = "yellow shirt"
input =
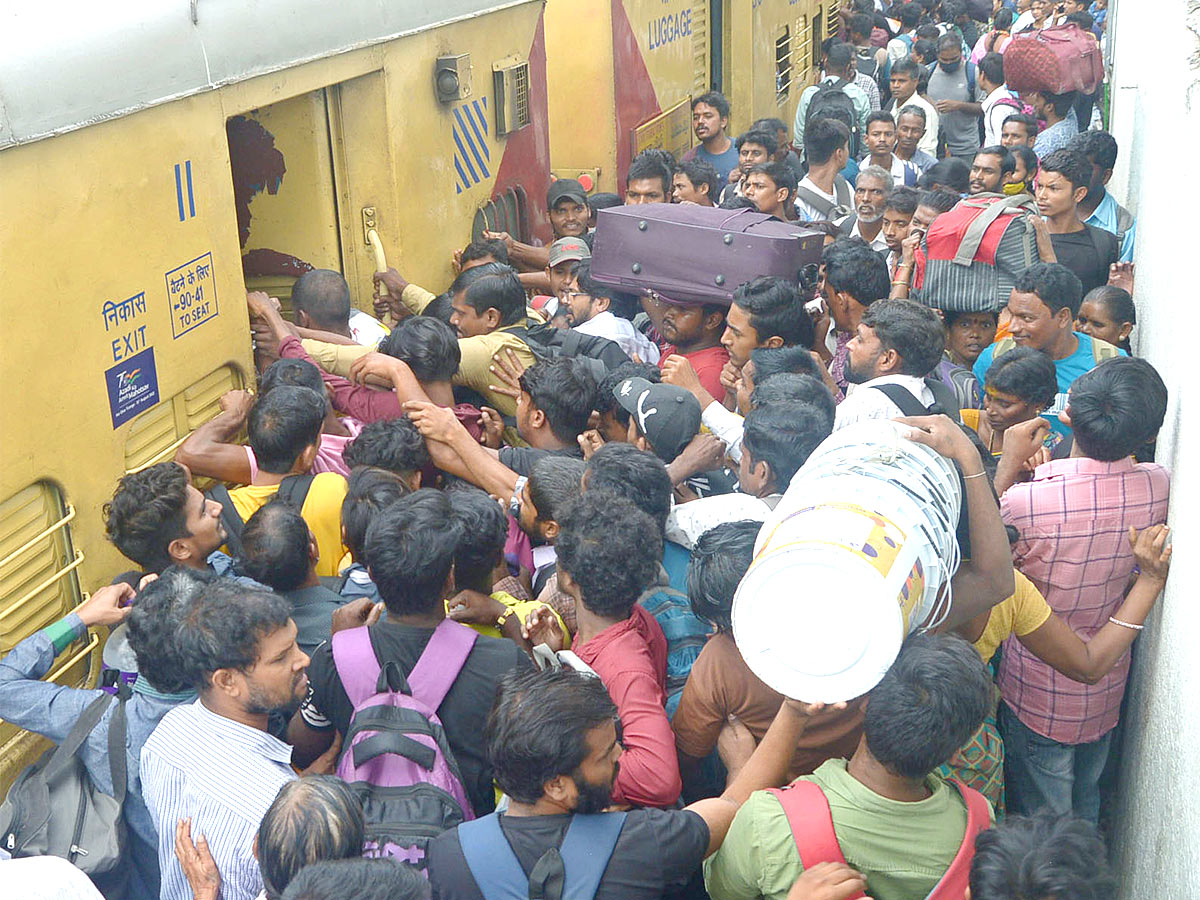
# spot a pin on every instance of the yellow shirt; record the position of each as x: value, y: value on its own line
x: 521, y: 608
x: 1025, y: 611
x: 322, y: 511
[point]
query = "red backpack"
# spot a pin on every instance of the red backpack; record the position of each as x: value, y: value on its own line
x: 811, y: 822
x: 1055, y: 60
x: 972, y: 255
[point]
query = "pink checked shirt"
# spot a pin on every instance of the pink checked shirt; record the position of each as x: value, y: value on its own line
x: 1074, y: 518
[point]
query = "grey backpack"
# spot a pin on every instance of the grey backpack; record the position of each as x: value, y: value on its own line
x: 54, y: 809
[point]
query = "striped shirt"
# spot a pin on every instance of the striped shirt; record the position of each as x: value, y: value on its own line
x: 223, y: 775
x: 1073, y: 518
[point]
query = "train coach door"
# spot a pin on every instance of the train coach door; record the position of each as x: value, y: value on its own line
x: 309, y: 172
x: 284, y: 192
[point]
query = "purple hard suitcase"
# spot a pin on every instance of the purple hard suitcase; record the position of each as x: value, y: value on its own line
x: 697, y: 254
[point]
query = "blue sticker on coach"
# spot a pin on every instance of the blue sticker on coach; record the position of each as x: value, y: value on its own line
x: 132, y: 386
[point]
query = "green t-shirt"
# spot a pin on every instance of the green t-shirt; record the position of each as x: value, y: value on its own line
x: 902, y: 848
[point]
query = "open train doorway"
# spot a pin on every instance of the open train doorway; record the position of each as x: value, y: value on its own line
x: 306, y: 171
x: 284, y: 191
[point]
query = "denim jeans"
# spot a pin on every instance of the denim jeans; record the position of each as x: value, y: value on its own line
x: 1040, y: 773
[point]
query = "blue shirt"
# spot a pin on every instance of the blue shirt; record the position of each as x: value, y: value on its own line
x: 724, y: 163
x: 223, y: 775
x: 1068, y: 369
x: 1105, y: 216
x: 52, y: 709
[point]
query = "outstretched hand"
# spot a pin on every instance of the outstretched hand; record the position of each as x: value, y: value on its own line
x: 199, y: 867
x: 541, y: 627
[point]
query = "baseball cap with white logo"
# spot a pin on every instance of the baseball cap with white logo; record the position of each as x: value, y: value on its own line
x: 668, y: 416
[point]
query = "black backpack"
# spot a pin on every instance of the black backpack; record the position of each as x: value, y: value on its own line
x: 293, y: 490
x: 832, y: 102
x: 548, y: 342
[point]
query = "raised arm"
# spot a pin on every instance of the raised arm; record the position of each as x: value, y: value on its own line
x: 209, y: 451
x: 454, y: 450
x: 766, y: 768
x: 987, y: 577
x: 1056, y: 644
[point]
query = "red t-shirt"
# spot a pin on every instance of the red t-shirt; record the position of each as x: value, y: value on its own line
x: 708, y: 365
x: 631, y: 659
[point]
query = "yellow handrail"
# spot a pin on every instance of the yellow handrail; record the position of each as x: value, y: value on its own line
x: 41, y: 536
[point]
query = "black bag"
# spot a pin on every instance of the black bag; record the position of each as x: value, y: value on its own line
x: 832, y: 102
x: 293, y: 490
x: 548, y: 342
x: 54, y: 809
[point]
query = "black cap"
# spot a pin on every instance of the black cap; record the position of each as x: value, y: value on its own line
x: 667, y: 415
x: 564, y: 188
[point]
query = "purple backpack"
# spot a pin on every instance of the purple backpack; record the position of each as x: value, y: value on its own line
x: 395, y: 756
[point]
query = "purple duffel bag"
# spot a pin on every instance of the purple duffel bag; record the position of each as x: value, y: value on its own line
x: 697, y: 254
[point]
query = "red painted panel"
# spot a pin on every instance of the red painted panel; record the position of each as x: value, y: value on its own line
x: 526, y: 160
x: 635, y: 95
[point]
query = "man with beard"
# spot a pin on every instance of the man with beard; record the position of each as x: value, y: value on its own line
x: 897, y: 342
x: 710, y: 118
x: 989, y: 170
x: 606, y: 312
x: 555, y: 739
x: 212, y: 761
x: 694, y: 331
x: 871, y: 190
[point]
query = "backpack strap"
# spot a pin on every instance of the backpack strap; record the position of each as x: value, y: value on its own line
x: 816, y: 201
x: 1124, y: 223
x: 293, y: 490
x: 973, y: 236
x: 842, y: 192
x: 953, y: 884
x: 440, y: 662
x: 84, y: 725
x: 586, y: 850
x: 356, y: 663
x: 116, y: 744
x: 811, y: 821
x: 230, y: 518
x: 491, y: 860
x: 903, y: 398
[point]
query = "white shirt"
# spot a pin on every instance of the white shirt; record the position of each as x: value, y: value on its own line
x: 46, y: 878
x: 903, y: 171
x: 994, y: 116
x: 365, y: 329
x: 877, y: 243
x: 811, y: 213
x: 688, y: 521
x: 863, y: 402
x: 223, y: 775
x: 727, y: 425
x: 928, y: 143
x: 621, y: 332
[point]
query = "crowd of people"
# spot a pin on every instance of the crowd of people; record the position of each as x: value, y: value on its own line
x: 451, y: 589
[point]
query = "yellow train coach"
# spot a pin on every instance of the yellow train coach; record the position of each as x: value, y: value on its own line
x: 158, y: 158
x: 622, y: 73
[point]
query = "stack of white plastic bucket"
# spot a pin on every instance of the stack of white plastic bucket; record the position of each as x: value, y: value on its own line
x: 857, y: 555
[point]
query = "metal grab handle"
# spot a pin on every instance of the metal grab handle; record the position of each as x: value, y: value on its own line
x: 380, y: 260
